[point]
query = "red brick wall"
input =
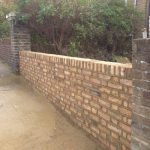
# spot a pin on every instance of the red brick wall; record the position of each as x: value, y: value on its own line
x: 96, y: 95
x: 5, y: 49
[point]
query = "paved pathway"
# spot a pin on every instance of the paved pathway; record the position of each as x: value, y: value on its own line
x: 29, y: 122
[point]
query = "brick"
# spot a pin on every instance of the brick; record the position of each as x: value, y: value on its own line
x: 96, y: 130
x: 105, y: 90
x: 104, y: 129
x: 114, y: 107
x: 125, y: 127
x: 86, y: 95
x: 104, y: 83
x: 125, y: 111
x: 104, y: 77
x: 104, y: 103
x: 114, y: 121
x: 114, y: 135
x: 85, y: 72
x: 115, y: 93
x: 96, y: 81
x: 94, y: 104
x: 115, y: 100
x: 126, y: 82
x: 125, y: 142
x: 114, y: 129
x: 115, y: 86
x: 94, y: 111
x: 104, y: 116
x: 94, y: 117
x: 115, y: 114
x: 112, y: 147
x: 114, y: 79
x: 86, y: 107
x: 103, y: 122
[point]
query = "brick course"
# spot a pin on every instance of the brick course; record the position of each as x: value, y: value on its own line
x: 96, y: 95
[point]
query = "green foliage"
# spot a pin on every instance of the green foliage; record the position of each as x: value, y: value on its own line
x: 73, y: 48
x: 92, y: 24
x: 109, y: 22
x: 4, y: 25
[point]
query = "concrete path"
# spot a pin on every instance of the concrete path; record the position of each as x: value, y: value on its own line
x: 29, y: 122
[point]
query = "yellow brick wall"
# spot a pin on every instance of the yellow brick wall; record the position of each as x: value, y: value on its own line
x: 96, y: 95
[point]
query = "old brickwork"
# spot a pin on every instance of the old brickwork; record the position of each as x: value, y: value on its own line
x: 5, y: 49
x: 141, y: 95
x: 96, y: 95
x: 20, y: 40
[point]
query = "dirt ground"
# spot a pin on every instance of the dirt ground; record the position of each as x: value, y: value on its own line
x: 29, y: 122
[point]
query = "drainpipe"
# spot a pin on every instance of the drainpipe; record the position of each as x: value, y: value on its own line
x: 148, y: 18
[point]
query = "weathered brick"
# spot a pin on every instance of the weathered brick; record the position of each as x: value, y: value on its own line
x: 96, y: 81
x: 104, y: 116
x: 114, y: 107
x: 126, y: 82
x: 104, y: 77
x: 115, y: 100
x: 104, y: 103
x: 94, y: 111
x: 86, y: 95
x: 115, y: 86
x: 125, y: 127
x: 96, y: 130
x: 94, y: 117
x: 114, y: 135
x: 87, y: 107
x: 125, y: 111
x: 95, y: 104
x: 114, y: 129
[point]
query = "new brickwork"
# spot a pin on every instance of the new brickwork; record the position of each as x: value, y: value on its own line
x: 95, y: 95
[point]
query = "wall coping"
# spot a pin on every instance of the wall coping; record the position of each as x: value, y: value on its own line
x: 128, y: 65
x: 108, y: 68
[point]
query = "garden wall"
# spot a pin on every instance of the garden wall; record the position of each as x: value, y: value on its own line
x: 96, y: 95
x: 5, y: 49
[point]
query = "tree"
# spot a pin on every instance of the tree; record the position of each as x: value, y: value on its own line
x: 81, y: 27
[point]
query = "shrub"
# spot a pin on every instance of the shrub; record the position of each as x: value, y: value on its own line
x: 4, y: 25
x: 82, y: 27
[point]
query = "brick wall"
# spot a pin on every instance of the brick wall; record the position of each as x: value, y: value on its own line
x: 5, y: 48
x: 95, y: 95
x: 20, y: 40
x: 141, y: 95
